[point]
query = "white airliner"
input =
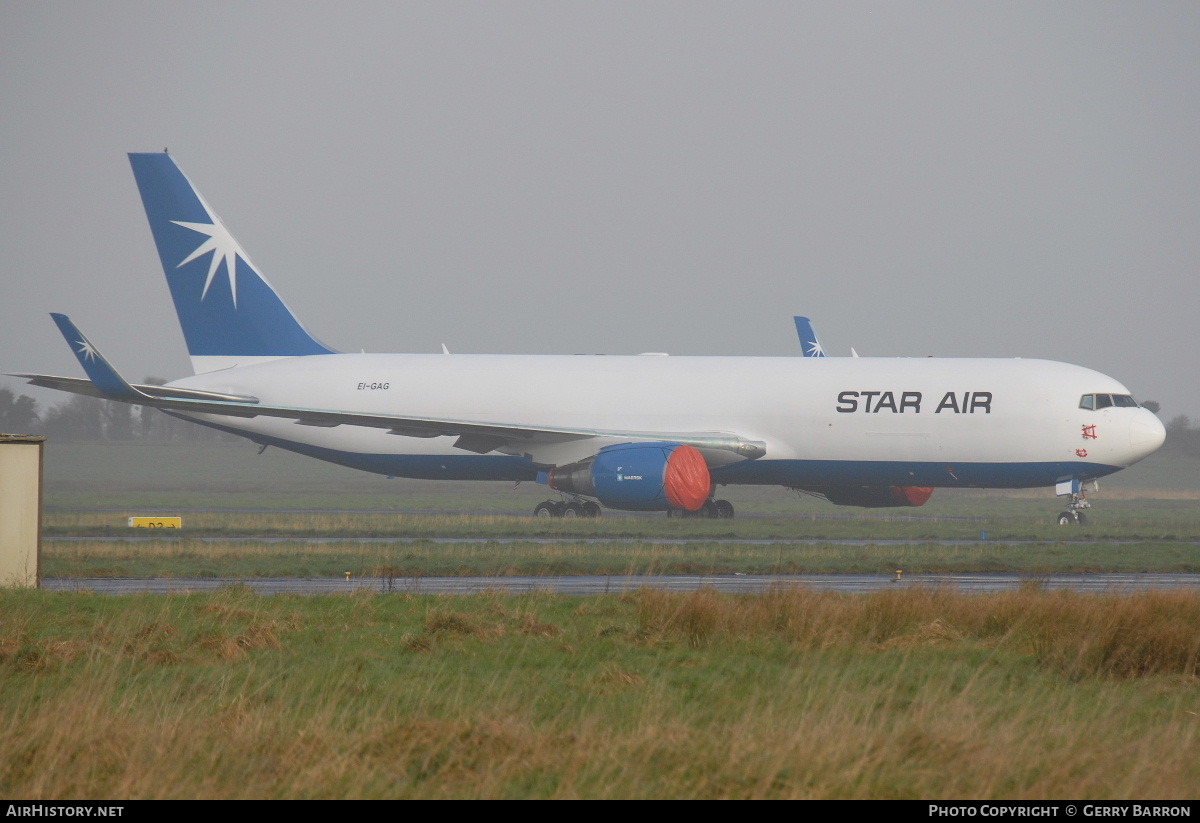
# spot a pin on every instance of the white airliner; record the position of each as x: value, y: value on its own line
x: 648, y: 433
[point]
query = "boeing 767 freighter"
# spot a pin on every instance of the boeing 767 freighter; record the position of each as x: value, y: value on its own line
x: 643, y: 433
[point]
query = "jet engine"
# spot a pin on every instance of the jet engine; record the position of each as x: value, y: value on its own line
x: 639, y: 477
x: 874, y: 497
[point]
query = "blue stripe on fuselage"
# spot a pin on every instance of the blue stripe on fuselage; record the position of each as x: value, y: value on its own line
x: 900, y: 473
x: 803, y: 473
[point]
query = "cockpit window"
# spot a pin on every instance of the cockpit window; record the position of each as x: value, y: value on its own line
x: 1103, y: 401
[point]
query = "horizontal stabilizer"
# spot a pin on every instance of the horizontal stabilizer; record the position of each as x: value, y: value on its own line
x: 99, y: 371
x: 104, y: 381
x: 81, y: 385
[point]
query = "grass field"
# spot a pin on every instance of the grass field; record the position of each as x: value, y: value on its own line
x: 92, y: 488
x: 786, y: 695
x: 792, y: 694
x: 184, y: 557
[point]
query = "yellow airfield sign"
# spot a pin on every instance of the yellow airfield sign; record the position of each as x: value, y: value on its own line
x: 156, y: 522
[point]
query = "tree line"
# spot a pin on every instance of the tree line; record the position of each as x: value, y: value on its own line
x: 1183, y: 435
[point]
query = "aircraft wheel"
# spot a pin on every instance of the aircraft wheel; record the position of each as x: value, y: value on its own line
x: 1067, y: 519
x: 547, y: 508
x: 724, y: 509
x: 591, y: 509
x: 572, y: 510
x: 1080, y: 518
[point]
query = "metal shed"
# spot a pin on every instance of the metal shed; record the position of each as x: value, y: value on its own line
x: 20, y: 510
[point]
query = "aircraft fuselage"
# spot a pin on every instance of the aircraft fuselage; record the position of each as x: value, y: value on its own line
x: 918, y: 421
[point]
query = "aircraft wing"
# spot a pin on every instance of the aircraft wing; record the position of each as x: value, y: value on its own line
x: 475, y: 436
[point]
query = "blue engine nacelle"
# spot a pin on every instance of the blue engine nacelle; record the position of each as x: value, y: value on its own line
x: 639, y: 477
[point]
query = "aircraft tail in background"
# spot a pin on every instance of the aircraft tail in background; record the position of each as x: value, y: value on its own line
x: 809, y: 343
x: 229, y: 313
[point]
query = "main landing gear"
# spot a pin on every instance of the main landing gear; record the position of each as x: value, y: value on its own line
x: 571, y: 508
x: 1074, y: 516
x: 713, y: 510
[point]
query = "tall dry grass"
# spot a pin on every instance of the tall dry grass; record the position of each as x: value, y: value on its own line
x: 1146, y: 633
x: 792, y: 694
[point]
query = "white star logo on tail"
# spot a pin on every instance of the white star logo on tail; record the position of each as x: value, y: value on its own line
x: 814, y: 348
x: 85, y: 348
x: 223, y: 247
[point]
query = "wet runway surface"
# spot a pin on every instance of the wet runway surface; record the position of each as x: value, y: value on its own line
x: 518, y: 513
x: 169, y: 534
x: 599, y: 584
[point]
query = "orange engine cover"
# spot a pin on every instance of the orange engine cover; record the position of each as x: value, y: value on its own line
x: 686, y: 480
x: 913, y: 495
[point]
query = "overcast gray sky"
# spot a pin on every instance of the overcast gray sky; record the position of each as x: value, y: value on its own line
x: 952, y: 179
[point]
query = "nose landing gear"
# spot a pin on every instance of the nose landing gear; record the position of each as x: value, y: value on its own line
x: 1074, y: 516
x: 1069, y: 518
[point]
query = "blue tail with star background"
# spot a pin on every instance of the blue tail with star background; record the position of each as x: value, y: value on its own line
x: 226, y: 308
x: 809, y: 344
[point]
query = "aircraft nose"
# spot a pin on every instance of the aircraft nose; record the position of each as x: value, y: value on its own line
x: 1146, y: 434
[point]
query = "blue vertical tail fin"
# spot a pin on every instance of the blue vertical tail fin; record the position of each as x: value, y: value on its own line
x: 809, y: 343
x: 229, y: 313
